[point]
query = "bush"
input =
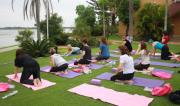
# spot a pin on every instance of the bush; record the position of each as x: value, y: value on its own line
x: 97, y: 30
x: 93, y: 41
x: 74, y: 43
x: 36, y: 48
x: 61, y: 40
x: 151, y: 22
x: 25, y: 35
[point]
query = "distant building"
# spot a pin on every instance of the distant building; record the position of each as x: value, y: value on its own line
x: 174, y: 13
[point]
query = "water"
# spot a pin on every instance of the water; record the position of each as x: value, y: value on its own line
x: 7, y: 37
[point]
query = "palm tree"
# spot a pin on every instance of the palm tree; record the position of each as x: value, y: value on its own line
x: 166, y: 15
x: 33, y: 6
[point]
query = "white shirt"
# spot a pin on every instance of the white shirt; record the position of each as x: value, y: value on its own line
x: 145, y: 59
x: 58, y: 60
x: 128, y: 64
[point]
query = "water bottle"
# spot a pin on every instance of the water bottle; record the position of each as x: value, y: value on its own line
x: 10, y: 94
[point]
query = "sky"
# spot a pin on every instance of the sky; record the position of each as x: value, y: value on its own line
x: 64, y: 8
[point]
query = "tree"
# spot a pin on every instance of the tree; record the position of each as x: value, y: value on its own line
x: 33, y: 6
x: 85, y: 21
x: 151, y: 22
x: 123, y: 11
x: 55, y: 27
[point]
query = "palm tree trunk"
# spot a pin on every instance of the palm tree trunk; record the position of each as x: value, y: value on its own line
x: 38, y: 19
x: 130, y: 32
x: 166, y: 15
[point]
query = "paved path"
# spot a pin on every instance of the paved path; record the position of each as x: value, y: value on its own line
x: 8, y: 48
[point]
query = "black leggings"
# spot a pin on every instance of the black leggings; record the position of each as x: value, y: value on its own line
x: 60, y: 68
x: 165, y: 53
x: 82, y: 61
x: 121, y: 76
x: 27, y: 72
x: 141, y: 66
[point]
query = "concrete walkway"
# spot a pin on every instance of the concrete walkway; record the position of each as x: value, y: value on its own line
x: 8, y: 48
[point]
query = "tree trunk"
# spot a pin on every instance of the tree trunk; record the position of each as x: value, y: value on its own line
x: 38, y: 19
x: 127, y: 29
x: 130, y: 31
x: 166, y: 15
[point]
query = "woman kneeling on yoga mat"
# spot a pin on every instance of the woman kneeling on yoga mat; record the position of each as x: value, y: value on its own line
x: 145, y: 59
x: 58, y: 63
x: 30, y: 67
x: 104, y: 50
x: 72, y: 50
x: 165, y: 54
x: 86, y: 54
x: 125, y: 70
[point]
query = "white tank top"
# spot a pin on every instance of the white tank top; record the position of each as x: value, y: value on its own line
x: 58, y: 60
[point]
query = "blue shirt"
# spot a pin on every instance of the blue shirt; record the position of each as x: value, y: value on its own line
x: 104, y: 50
x: 159, y: 45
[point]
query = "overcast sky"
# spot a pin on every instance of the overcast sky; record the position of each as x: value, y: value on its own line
x: 65, y: 8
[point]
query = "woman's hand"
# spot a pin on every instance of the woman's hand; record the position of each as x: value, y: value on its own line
x: 15, y: 76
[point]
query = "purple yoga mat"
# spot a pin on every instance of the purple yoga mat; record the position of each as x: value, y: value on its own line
x: 151, y: 83
x: 162, y: 70
x: 46, y: 69
x: 155, y: 57
x: 95, y: 66
x: 114, y: 55
x: 159, y: 63
x: 70, y: 74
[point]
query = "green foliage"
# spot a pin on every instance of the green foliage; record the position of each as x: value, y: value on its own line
x: 25, y: 35
x: 151, y: 22
x: 55, y: 27
x: 74, y: 42
x: 36, y: 48
x: 97, y: 30
x: 85, y: 21
x: 93, y: 41
x: 61, y: 40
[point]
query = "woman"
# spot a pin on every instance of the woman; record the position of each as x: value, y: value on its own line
x: 104, y: 50
x: 72, y: 50
x: 30, y: 67
x: 126, y: 67
x: 127, y: 44
x: 57, y: 62
x: 86, y: 54
x: 165, y: 38
x: 165, y: 54
x: 145, y: 58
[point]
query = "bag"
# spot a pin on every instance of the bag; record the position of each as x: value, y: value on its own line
x: 175, y: 97
x: 78, y: 70
x: 161, y: 91
x: 4, y: 87
x: 86, y: 70
x: 162, y: 75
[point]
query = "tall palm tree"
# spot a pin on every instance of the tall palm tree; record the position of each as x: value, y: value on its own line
x: 31, y: 9
x: 166, y: 15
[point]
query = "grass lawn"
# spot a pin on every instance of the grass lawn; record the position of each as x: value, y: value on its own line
x: 59, y: 96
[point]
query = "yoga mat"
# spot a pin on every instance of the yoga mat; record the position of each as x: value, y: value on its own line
x: 45, y: 69
x: 151, y: 83
x: 95, y: 66
x: 70, y: 74
x: 45, y: 83
x: 111, y: 96
x: 114, y: 55
x: 162, y: 70
x: 159, y: 63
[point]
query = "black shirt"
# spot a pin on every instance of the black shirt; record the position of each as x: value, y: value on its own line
x: 25, y: 61
x: 87, y: 50
x: 128, y: 45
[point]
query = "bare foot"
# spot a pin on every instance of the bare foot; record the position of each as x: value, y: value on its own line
x: 130, y: 82
x: 66, y: 72
x: 35, y: 82
x: 39, y: 82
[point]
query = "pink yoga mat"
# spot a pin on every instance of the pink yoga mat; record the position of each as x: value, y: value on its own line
x: 45, y: 83
x: 111, y: 96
